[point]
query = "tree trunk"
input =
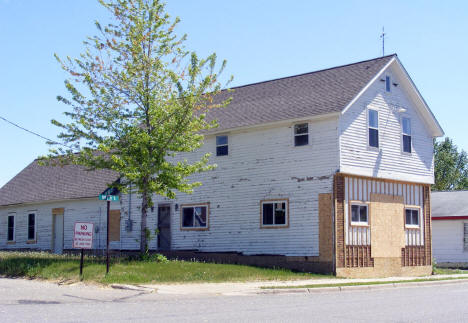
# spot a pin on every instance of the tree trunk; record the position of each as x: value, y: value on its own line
x: 144, y: 214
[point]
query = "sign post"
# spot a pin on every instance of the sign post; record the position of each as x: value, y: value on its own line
x: 83, y: 239
x: 108, y: 198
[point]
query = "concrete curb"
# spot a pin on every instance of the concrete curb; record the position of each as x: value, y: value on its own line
x: 136, y: 288
x: 358, y: 287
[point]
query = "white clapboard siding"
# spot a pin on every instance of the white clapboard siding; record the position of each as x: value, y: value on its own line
x: 85, y: 210
x: 448, y: 241
x: 388, y: 162
x: 262, y: 164
x: 359, y: 190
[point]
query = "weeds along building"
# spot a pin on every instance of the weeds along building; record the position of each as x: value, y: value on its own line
x: 327, y: 171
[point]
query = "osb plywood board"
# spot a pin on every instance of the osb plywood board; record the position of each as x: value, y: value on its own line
x: 114, y: 225
x: 387, y: 226
x: 325, y: 227
x: 58, y: 211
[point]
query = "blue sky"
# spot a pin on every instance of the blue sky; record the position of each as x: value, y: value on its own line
x: 260, y: 39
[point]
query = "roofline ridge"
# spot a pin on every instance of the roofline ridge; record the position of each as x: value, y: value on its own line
x: 312, y: 72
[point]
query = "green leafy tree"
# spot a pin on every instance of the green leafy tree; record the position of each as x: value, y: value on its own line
x: 137, y: 99
x: 450, y: 167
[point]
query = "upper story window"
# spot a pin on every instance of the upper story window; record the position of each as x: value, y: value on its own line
x: 359, y: 214
x: 373, y: 125
x: 274, y: 213
x: 11, y: 228
x: 195, y: 217
x: 301, y: 134
x: 32, y: 226
x: 388, y: 83
x: 406, y: 132
x: 222, y: 145
x: 412, y: 217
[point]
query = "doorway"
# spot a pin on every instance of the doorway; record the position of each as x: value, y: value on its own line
x: 58, y: 233
x: 164, y: 227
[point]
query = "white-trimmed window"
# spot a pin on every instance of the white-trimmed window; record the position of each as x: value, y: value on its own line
x: 359, y: 214
x: 301, y: 134
x: 194, y: 216
x: 11, y: 227
x: 373, y: 128
x: 222, y: 145
x: 31, y: 226
x: 406, y: 134
x: 412, y: 217
x: 274, y: 213
x: 388, y: 83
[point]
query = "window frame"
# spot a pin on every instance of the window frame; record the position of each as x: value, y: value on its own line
x: 350, y: 214
x: 224, y: 145
x: 13, y: 215
x: 369, y: 127
x: 275, y: 226
x: 33, y: 240
x: 194, y: 205
x: 413, y: 208
x: 403, y: 134
x: 301, y: 134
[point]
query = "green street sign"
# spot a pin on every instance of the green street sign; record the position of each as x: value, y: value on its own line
x: 104, y: 197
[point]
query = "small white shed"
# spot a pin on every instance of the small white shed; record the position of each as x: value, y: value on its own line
x: 450, y: 228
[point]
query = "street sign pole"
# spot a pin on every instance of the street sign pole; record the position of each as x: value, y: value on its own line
x: 107, y: 247
x: 81, y: 262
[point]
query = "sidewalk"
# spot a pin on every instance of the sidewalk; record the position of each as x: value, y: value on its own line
x: 246, y: 288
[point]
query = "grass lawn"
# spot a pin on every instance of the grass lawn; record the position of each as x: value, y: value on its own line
x: 125, y: 271
x: 449, y: 271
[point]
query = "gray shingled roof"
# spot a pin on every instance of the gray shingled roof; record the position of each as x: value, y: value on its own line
x: 306, y: 95
x: 453, y: 203
x: 38, y: 183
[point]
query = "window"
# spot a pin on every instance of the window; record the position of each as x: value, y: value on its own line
x: 465, y: 236
x: 406, y: 130
x: 412, y: 217
x: 373, y: 123
x: 11, y: 228
x: 387, y: 83
x: 274, y: 213
x: 195, y: 217
x: 221, y: 145
x: 359, y: 214
x: 301, y: 134
x: 31, y: 226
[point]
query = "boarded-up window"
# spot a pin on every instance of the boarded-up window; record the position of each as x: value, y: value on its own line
x: 465, y: 236
x: 114, y: 225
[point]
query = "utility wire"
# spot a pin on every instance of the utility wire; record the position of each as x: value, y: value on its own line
x: 32, y: 132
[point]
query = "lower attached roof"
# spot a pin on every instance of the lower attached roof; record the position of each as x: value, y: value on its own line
x: 449, y: 205
x: 36, y: 184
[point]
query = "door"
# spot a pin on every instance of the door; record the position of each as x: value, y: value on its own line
x: 114, y: 225
x: 164, y: 227
x: 58, y: 233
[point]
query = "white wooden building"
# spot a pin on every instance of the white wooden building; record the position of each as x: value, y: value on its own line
x: 305, y: 166
x: 450, y: 228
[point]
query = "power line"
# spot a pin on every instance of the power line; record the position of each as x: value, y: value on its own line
x: 32, y: 132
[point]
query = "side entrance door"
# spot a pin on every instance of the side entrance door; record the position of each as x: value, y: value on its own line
x: 58, y: 233
x: 164, y: 227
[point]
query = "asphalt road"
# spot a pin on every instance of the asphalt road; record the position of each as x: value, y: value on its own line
x: 34, y: 301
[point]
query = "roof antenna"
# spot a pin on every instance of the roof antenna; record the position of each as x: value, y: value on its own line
x: 382, y: 35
